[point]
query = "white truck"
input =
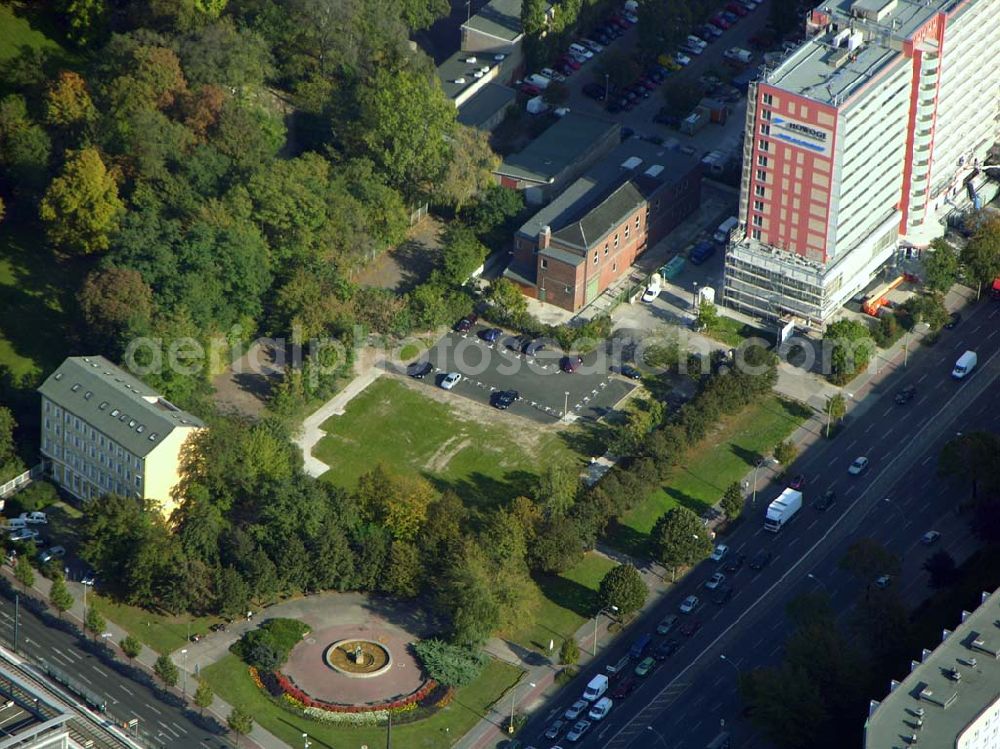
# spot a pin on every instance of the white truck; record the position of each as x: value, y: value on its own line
x: 783, y: 509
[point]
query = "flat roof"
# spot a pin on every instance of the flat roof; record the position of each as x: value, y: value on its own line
x: 460, y: 67
x: 565, y: 142
x: 485, y: 104
x: 600, y: 197
x: 499, y: 18
x: 947, y: 690
x: 866, y: 37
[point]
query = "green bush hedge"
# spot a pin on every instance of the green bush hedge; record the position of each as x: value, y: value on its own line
x: 268, y: 646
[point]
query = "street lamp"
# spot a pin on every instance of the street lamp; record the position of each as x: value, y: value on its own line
x: 607, y: 86
x: 184, y: 689
x: 694, y: 297
x: 756, y: 467
x: 597, y: 617
x: 566, y: 405
x: 659, y: 736
x: 513, y: 700
x: 305, y: 741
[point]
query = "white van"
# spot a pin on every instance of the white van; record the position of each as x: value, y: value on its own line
x: 601, y: 709
x: 16, y: 524
x: 538, y: 80
x: 721, y: 235
x: 695, y: 41
x: 965, y: 364
x: 596, y: 688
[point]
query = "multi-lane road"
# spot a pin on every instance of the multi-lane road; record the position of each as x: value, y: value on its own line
x: 692, y: 695
x: 160, y: 722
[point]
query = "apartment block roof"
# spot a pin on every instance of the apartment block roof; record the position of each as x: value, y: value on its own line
x: 121, y: 406
x: 465, y: 70
x: 565, y: 142
x: 499, y: 18
x: 609, y: 191
x: 485, y: 104
x: 862, y: 38
x: 947, y: 690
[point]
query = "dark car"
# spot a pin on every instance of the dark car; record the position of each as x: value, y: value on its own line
x: 570, y: 363
x: 761, y: 559
x: 656, y: 75
x: 627, y: 370
x: 594, y: 91
x: 701, y: 252
x: 798, y: 482
x: 689, y: 627
x: 556, y: 729
x: 722, y: 596
x: 491, y: 335
x: 906, y: 394
x: 565, y: 69
x: 419, y: 369
x: 529, y: 89
x: 532, y: 348
x: 735, y: 564
x: 516, y: 342
x: 826, y: 501
x: 614, y: 107
x: 665, y: 649
x: 663, y: 117
x: 953, y: 319
x: 218, y: 627
x: 502, y: 399
x: 465, y: 324
x: 570, y: 62
x: 625, y: 687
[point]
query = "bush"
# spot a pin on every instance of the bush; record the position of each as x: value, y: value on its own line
x: 566, y: 675
x: 268, y: 646
x: 451, y: 665
x: 569, y: 653
x: 785, y: 452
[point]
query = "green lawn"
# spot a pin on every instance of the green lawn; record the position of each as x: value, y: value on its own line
x: 732, y: 332
x: 568, y: 600
x: 722, y: 459
x: 398, y: 426
x: 231, y: 681
x: 20, y: 29
x: 161, y: 632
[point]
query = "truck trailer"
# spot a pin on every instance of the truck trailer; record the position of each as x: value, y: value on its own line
x: 783, y: 509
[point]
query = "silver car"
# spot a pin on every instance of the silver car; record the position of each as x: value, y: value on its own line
x: 451, y: 380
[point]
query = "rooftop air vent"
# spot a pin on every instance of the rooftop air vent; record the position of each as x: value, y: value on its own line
x: 88, y: 395
x: 471, y: 60
x: 141, y: 428
x: 103, y: 406
x: 115, y: 412
x: 153, y: 436
x: 58, y: 376
x: 75, y: 387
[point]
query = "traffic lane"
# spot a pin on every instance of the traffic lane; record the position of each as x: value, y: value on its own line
x: 129, y: 691
x: 545, y: 390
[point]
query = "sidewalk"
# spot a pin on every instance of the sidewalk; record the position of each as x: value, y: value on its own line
x: 219, y: 709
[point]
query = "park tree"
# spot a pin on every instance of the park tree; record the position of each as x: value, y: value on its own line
x: 569, y: 652
x: 941, y: 265
x: 203, y: 696
x: 807, y: 609
x: 975, y: 457
x: 24, y: 572
x: 493, y: 207
x: 85, y: 20
x: 622, y: 588
x: 166, y: 670
x: 93, y: 622
x: 708, y: 315
x: 467, y: 596
x: 981, y: 256
x: 451, y: 665
x: 680, y: 539
x: 25, y: 147
x: 785, y: 452
x: 240, y: 722
x: 462, y: 254
x: 81, y: 207
x: 223, y: 56
x: 618, y: 68
x: 732, y: 501
x: 866, y: 558
x: 847, y: 349
x: 660, y: 26
x: 941, y: 568
x: 404, y: 124
x: 397, y: 502
x: 10, y: 464
x: 926, y: 308
x: 130, y: 646
x: 68, y: 103
x: 836, y: 410
x: 784, y: 16
x: 402, y: 576
x: 470, y: 167
x: 116, y: 303
x: 557, y: 488
x: 60, y: 596
x: 533, y: 21
x: 507, y: 300
x: 883, y: 622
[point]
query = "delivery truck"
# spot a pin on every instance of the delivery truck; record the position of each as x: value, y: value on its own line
x: 783, y: 509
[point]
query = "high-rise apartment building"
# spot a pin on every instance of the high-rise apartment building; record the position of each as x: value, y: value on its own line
x: 862, y: 141
x: 104, y: 431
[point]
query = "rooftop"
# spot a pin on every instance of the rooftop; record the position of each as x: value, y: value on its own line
x: 486, y: 103
x: 557, y: 148
x: 499, y: 18
x: 862, y: 38
x: 949, y: 689
x: 464, y: 69
x: 121, y: 406
x: 608, y: 192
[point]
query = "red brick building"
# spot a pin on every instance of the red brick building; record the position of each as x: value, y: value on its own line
x: 589, y: 237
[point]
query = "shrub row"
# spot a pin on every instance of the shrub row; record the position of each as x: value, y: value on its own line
x: 297, y: 698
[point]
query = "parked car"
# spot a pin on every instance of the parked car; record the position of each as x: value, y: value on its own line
x: 953, y: 319
x: 570, y: 364
x: 465, y: 324
x: 219, y: 627
x: 491, y: 335
x: 34, y: 518
x: 652, y: 291
x: 883, y: 581
x: 575, y: 710
x: 419, y: 369
x: 859, y: 466
x: 906, y: 395
x: 627, y: 370
x: 578, y: 730
x: 930, y: 537
x: 689, y: 604
x: 625, y: 687
x: 551, y: 74
x: 533, y: 348
x: 645, y: 666
x: 826, y: 501
x: 571, y: 61
x: 451, y: 380
x: 719, y: 20
x: 23, y: 534
x: 681, y: 59
x: 761, y: 559
x: 592, y: 46
x: 735, y: 564
x: 89, y: 579
x: 579, y: 49
x: 737, y: 9
x: 502, y: 399
x: 722, y: 595
x: 689, y: 627
x: 719, y: 552
x: 731, y: 17
x: 530, y: 89
x: 715, y: 581
x: 665, y: 649
x: 46, y: 556
x: 797, y: 482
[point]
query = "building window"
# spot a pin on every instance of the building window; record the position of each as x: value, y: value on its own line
x: 758, y: 205
x: 626, y: 232
x: 758, y: 220
x: 605, y: 249
x: 761, y: 175
x: 596, y: 255
x: 636, y: 222
x: 767, y: 99
x: 614, y: 266
x: 616, y: 240
x: 765, y: 114
x: 761, y: 160
x: 755, y: 234
x: 544, y: 263
x: 764, y: 145
x: 47, y: 405
x: 765, y: 129
x: 758, y: 190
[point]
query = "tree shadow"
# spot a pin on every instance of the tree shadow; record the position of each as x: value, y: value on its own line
x: 628, y: 539
x: 527, y: 656
x: 568, y: 594
x: 408, y: 615
x: 481, y: 493
x: 684, y: 499
x: 750, y: 457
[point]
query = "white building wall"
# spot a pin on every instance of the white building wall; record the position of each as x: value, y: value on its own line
x: 984, y: 732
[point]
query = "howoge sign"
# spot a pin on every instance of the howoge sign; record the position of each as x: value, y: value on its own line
x: 801, y: 135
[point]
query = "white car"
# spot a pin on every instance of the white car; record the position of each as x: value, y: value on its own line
x: 692, y: 49
x: 631, y: 17
x: 551, y: 74
x: 579, y: 49
x: 719, y: 552
x: 715, y: 581
x: 23, y: 534
x: 650, y: 294
x: 930, y: 537
x: 592, y: 46
x: 576, y: 732
x: 689, y: 604
x: 681, y: 59
x: 451, y: 380
x: 34, y: 517
x: 575, y: 710
x: 859, y: 466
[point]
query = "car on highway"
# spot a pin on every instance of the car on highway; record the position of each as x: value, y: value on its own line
x: 722, y: 596
x: 601, y: 709
x: 905, y: 395
x: 577, y: 731
x: 554, y: 730
x: 761, y: 559
x: 953, y: 320
x: 798, y: 482
x: 450, y: 380
x: 665, y: 649
x: 715, y: 581
x: 735, y: 564
x: 689, y: 604
x: 930, y: 537
x: 46, y: 556
x: 575, y: 710
x: 465, y: 324
x: 645, y: 666
x: 666, y: 624
x: 419, y: 369
x: 625, y: 687
x: 719, y: 552
x: 689, y: 627
x: 570, y: 364
x: 503, y: 399
x: 825, y: 502
x: 859, y: 466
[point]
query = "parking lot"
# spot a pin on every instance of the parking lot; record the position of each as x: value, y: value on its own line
x: 545, y: 390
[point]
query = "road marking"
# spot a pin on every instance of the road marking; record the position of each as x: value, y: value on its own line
x: 85, y: 678
x: 126, y: 689
x: 852, y: 444
x: 152, y: 708
x: 887, y: 411
x: 182, y: 729
x: 869, y: 427
x: 809, y: 527
x: 5, y: 615
x: 928, y: 459
x: 922, y: 378
x: 995, y: 330
x: 102, y: 673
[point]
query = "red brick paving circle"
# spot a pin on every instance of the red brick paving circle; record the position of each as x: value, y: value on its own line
x: 308, y: 669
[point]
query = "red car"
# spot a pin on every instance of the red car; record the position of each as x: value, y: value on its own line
x: 465, y: 324
x: 570, y: 61
x: 690, y: 627
x: 722, y: 23
x: 737, y: 9
x: 621, y: 21
x: 798, y: 482
x: 530, y: 89
x: 625, y: 687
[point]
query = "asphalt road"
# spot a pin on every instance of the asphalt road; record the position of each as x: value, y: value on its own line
x: 163, y: 721
x: 686, y: 699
